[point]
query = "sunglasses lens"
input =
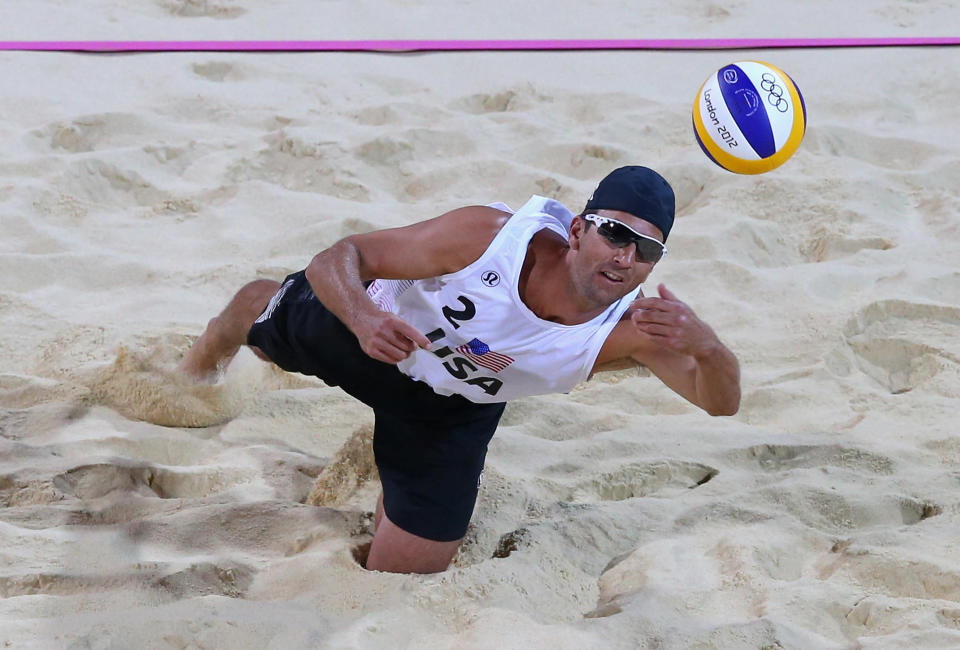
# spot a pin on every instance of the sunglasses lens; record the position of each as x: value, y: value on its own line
x: 648, y: 251
x: 615, y: 233
x: 619, y: 235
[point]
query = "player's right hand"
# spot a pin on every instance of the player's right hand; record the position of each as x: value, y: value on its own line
x: 387, y: 337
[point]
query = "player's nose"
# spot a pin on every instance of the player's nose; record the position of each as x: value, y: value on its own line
x: 623, y: 256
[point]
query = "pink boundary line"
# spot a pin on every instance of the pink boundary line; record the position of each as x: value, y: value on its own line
x: 470, y: 45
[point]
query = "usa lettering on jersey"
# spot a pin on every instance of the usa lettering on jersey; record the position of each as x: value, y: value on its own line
x: 465, y: 361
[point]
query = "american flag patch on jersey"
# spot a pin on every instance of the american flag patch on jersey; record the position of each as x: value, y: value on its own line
x: 481, y: 354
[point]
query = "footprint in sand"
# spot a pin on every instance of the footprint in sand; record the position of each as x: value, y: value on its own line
x: 396, y: 160
x: 890, y: 572
x: 93, y: 132
x: 892, y: 153
x: 400, y: 113
x: 201, y: 9
x: 634, y: 480
x: 101, y: 183
x: 769, y: 244
x: 18, y: 489
x: 903, y: 344
x: 118, y: 477
x: 784, y: 457
x: 303, y: 160
x: 547, y: 417
x: 218, y: 71
x: 832, y: 512
x: 456, y: 177
x: 829, y: 242
x: 229, y: 579
x: 507, y: 100
x: 99, y: 479
x: 582, y: 160
x: 414, y: 144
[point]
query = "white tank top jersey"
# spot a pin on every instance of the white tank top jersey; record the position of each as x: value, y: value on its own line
x: 487, y: 344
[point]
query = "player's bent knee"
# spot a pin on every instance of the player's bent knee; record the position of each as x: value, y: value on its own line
x: 251, y: 300
x: 257, y: 294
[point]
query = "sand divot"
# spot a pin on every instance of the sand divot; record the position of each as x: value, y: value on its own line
x: 352, y: 468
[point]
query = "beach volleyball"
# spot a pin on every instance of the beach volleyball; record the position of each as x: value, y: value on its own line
x: 749, y: 117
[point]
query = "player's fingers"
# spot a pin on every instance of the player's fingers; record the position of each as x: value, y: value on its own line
x: 666, y: 294
x: 382, y: 348
x: 655, y: 329
x: 398, y: 340
x: 377, y: 354
x: 654, y: 316
x: 411, y: 333
x: 633, y: 305
x: 390, y: 353
x: 669, y: 342
x: 653, y: 303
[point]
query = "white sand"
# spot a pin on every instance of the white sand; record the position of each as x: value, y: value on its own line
x: 138, y: 192
x: 436, y: 19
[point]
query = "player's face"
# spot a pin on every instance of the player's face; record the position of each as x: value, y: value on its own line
x: 605, y: 271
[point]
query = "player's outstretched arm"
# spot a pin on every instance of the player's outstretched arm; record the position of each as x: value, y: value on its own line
x: 438, y: 246
x: 665, y: 335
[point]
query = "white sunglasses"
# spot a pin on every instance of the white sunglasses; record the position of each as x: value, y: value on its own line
x: 620, y: 234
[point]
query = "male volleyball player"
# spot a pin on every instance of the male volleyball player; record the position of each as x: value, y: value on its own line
x: 436, y: 325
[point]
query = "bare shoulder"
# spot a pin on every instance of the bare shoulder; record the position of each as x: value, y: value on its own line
x: 486, y: 220
x: 626, y: 344
x: 622, y: 343
x: 437, y: 246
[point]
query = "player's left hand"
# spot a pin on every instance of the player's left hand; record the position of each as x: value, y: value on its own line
x: 669, y: 322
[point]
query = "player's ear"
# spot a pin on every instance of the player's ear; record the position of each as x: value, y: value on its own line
x: 577, y: 229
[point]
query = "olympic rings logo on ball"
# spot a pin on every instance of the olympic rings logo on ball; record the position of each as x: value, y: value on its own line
x: 774, y: 92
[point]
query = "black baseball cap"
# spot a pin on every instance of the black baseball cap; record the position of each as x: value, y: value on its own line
x: 638, y: 190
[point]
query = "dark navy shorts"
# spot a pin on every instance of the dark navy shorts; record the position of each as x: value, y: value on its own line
x: 429, y: 448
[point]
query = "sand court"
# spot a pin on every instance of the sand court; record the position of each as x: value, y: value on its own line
x: 137, y: 193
